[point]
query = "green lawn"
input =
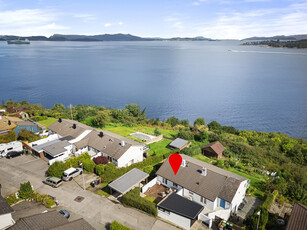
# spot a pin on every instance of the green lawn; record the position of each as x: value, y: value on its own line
x: 159, y: 148
x: 47, y: 122
x: 104, y: 191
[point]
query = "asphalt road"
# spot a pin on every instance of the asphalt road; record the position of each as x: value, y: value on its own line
x: 97, y: 210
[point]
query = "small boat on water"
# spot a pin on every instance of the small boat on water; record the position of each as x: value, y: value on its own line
x: 19, y: 42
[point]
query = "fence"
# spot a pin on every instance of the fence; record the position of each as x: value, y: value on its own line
x: 149, y: 185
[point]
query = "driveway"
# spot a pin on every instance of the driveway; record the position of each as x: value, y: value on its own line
x: 97, y: 210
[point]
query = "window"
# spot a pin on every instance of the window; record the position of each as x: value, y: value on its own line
x: 191, y: 193
x: 203, y: 200
x: 9, y: 149
x: 164, y: 181
x: 176, y: 185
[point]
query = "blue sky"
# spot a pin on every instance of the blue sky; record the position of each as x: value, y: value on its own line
x: 222, y: 19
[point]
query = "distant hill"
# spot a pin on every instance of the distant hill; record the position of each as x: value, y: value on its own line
x: 101, y: 37
x: 278, y: 37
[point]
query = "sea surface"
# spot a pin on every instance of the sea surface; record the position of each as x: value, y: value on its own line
x: 248, y: 87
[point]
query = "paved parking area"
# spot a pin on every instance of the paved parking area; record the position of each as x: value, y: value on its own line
x: 97, y: 210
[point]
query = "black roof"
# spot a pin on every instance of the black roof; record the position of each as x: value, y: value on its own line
x: 66, y: 138
x: 181, y: 206
x: 5, y: 208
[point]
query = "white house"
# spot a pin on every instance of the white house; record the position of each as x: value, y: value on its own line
x: 12, y: 146
x: 220, y: 192
x: 6, y: 219
x: 119, y: 150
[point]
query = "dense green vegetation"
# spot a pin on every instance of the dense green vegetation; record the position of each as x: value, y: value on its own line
x: 118, y: 226
x: 252, y: 154
x: 283, y: 44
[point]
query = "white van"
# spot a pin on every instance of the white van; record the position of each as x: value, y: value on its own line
x: 71, y: 173
x: 8, y: 147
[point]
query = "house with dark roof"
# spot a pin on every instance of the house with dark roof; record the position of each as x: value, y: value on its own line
x: 119, y: 150
x: 6, y: 219
x: 179, y: 143
x: 298, y: 218
x: 52, y: 220
x: 214, y: 149
x: 220, y: 192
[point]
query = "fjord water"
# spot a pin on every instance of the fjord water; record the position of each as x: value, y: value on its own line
x: 253, y: 88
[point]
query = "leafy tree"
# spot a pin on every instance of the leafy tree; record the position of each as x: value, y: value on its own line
x: 199, y: 122
x: 57, y: 169
x: 157, y: 132
x: 134, y: 110
x: 101, y: 160
x: 173, y: 121
x: 25, y: 190
x: 202, y: 136
x: 214, y: 125
x: 191, y: 151
x: 185, y: 123
x: 102, y: 118
x: 264, y: 217
x: 27, y: 135
x: 186, y: 134
x: 89, y: 165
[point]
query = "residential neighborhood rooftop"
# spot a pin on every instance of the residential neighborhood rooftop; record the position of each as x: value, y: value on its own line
x: 216, y: 147
x: 5, y: 208
x: 298, y: 218
x: 56, y: 148
x: 39, y: 148
x: 217, y: 183
x: 182, y: 206
x: 127, y: 181
x: 178, y: 143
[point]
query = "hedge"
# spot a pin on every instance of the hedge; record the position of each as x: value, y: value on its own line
x: 118, y: 226
x: 133, y: 199
x: 57, y: 169
x: 73, y: 162
x: 99, y: 169
x: 89, y: 165
x: 270, y: 199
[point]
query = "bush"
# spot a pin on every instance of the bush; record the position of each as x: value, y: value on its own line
x: 99, y: 169
x: 101, y: 160
x: 8, y: 137
x: 133, y: 199
x: 74, y: 162
x: 57, y: 169
x: 186, y: 134
x: 191, y: 151
x: 25, y: 190
x: 199, y: 122
x: 89, y: 165
x: 157, y: 132
x: 117, y: 226
x: 264, y: 216
x: 26, y: 135
x: 11, y: 199
x: 270, y: 199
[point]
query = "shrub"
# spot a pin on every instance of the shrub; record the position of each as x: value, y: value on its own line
x: 57, y: 169
x: 11, y: 199
x: 118, y: 226
x: 6, y: 138
x: 89, y: 165
x: 133, y: 199
x: 101, y: 160
x: 270, y: 199
x: 199, y: 122
x: 191, y: 151
x: 74, y: 162
x: 264, y: 216
x: 26, y: 135
x: 186, y: 134
x: 157, y: 132
x: 99, y: 169
x: 25, y: 190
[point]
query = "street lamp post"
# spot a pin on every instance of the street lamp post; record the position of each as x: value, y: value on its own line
x: 258, y: 213
x: 81, y: 164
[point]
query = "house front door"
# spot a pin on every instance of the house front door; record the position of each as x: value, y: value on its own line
x: 222, y: 203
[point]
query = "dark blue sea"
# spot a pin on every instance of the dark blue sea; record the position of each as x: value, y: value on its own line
x: 253, y: 88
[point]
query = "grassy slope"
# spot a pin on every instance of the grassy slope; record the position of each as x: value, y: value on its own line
x: 47, y: 122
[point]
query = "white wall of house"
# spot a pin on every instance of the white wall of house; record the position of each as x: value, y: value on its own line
x: 45, y: 140
x: 222, y: 213
x: 81, y: 151
x: 176, y: 219
x: 239, y: 196
x: 62, y: 157
x: 6, y: 221
x: 133, y: 155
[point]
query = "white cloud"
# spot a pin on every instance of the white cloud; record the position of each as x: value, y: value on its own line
x: 120, y: 23
x: 107, y: 25
x: 29, y: 22
x: 86, y: 17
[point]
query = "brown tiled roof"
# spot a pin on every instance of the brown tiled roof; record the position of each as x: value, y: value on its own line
x: 298, y: 218
x: 79, y: 224
x: 4, y: 122
x: 65, y: 128
x: 40, y: 221
x: 5, y: 208
x: 217, y: 183
x: 109, y: 144
x: 216, y: 147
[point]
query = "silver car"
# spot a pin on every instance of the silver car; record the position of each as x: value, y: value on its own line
x: 70, y: 173
x: 53, y: 181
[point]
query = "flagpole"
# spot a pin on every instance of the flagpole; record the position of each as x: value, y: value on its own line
x: 71, y: 111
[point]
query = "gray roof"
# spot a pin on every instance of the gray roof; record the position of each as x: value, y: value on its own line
x: 298, y: 218
x: 39, y: 148
x: 40, y: 221
x: 79, y: 224
x: 56, y: 148
x: 178, y: 143
x: 109, y: 143
x: 127, y: 181
x: 65, y: 128
x: 181, y: 206
x: 5, y: 208
x: 217, y: 183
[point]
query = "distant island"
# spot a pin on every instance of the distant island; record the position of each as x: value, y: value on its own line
x: 300, y: 44
x: 102, y: 37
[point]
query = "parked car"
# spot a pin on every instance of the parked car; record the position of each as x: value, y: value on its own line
x: 53, y: 181
x: 65, y: 213
x: 70, y: 173
x: 12, y: 154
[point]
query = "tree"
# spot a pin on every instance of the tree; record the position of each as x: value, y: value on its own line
x: 264, y: 217
x: 157, y: 132
x: 56, y: 169
x: 186, y: 134
x: 214, y: 125
x: 199, y: 122
x: 173, y: 121
x: 27, y: 135
x: 202, y: 136
x: 185, y: 123
x: 134, y: 110
x: 25, y: 190
x: 102, y: 118
x: 101, y: 160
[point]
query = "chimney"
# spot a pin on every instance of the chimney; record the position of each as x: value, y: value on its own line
x: 183, y: 163
x: 122, y: 143
x: 9, y: 122
x: 74, y: 126
x: 60, y: 120
x: 204, y: 171
x: 101, y: 134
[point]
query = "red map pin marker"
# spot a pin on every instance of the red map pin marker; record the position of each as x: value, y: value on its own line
x: 175, y: 161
